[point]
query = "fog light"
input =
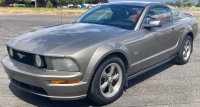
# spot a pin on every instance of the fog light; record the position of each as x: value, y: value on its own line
x: 11, y: 52
x: 38, y: 61
x: 65, y: 81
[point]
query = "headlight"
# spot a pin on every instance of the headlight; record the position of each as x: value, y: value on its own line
x: 38, y: 61
x: 64, y: 64
x: 11, y: 52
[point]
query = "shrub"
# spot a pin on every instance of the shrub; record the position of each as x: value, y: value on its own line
x: 48, y: 5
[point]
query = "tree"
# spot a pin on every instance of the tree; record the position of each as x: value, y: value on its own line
x: 103, y: 1
x: 26, y: 2
x: 41, y: 3
x: 63, y: 2
x: 54, y: 2
x: 188, y: 3
x: 12, y: 1
x: 178, y: 3
x: 95, y: 1
x: 49, y: 5
x: 2, y: 1
x: 184, y: 1
x: 193, y: 4
x: 198, y: 4
x: 76, y: 2
x: 170, y: 3
x: 99, y: 1
x: 88, y: 1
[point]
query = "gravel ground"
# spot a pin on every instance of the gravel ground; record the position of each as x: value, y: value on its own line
x: 166, y: 85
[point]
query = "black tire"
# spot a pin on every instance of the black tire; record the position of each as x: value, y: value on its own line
x: 180, y: 57
x: 94, y: 92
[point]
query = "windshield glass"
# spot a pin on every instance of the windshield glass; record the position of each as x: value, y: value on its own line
x: 122, y: 16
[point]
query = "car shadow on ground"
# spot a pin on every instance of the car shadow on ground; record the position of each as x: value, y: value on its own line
x: 43, y: 101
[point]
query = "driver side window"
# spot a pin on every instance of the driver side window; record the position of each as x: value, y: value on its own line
x: 161, y: 13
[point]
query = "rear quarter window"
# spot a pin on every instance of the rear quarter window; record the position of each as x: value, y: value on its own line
x: 177, y: 15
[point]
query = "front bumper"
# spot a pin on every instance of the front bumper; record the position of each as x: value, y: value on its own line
x: 37, y: 81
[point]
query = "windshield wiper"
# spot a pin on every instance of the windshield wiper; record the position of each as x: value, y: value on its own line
x: 75, y: 22
x: 95, y: 23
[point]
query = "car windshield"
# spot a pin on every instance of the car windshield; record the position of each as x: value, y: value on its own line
x: 122, y: 16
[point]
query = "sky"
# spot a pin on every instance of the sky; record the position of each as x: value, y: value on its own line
x: 194, y: 1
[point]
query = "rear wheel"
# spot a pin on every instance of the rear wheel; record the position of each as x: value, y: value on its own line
x: 108, y: 81
x: 185, y: 51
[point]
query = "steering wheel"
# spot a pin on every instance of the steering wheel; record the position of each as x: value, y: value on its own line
x: 129, y: 20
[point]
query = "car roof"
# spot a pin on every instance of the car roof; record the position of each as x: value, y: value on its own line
x: 137, y: 3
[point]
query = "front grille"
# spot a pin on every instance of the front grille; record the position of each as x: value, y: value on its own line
x: 27, y: 59
x: 28, y: 87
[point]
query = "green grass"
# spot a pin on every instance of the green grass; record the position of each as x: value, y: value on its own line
x: 48, y: 11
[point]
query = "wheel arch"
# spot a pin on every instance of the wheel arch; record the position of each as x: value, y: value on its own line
x: 188, y: 31
x: 102, y: 53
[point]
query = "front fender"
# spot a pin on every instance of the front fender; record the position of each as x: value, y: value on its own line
x: 103, y: 51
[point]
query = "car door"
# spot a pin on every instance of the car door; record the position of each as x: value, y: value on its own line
x: 158, y: 41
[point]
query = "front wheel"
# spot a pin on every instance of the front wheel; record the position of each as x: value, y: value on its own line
x: 185, y: 51
x: 108, y: 81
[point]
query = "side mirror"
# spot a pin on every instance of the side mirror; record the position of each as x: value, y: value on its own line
x: 153, y: 23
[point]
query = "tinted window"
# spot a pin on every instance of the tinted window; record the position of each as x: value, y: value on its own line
x: 177, y: 15
x: 161, y: 13
x: 122, y: 16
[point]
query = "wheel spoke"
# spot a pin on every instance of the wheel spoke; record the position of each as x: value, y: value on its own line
x: 116, y: 77
x: 188, y: 48
x: 103, y: 86
x: 112, y: 70
x: 185, y: 48
x: 184, y: 53
x: 104, y: 75
x: 187, y: 43
x: 110, y: 88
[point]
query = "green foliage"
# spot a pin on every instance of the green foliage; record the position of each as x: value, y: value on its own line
x: 170, y: 3
x: 178, y: 3
x: 197, y: 5
x: 26, y: 2
x: 63, y: 2
x: 184, y: 1
x: 18, y: 5
x: 88, y: 1
x: 49, y: 5
x: 192, y: 4
x: 75, y: 2
x: 2, y: 1
x: 188, y: 3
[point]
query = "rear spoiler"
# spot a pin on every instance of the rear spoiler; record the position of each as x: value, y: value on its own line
x: 188, y: 14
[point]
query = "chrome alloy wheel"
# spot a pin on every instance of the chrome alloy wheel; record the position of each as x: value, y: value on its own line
x: 187, y: 50
x: 111, y: 80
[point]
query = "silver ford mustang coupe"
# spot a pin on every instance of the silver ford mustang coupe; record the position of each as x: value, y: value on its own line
x: 100, y: 51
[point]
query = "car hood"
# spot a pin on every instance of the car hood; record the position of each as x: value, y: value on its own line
x: 61, y: 39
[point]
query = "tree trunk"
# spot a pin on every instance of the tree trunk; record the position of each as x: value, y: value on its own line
x: 35, y: 4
